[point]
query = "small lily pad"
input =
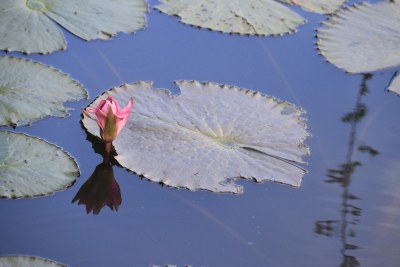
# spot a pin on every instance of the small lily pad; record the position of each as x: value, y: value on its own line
x: 208, y: 136
x: 31, y: 261
x: 253, y: 17
x: 31, y: 167
x: 395, y: 85
x: 318, y: 6
x: 30, y: 91
x: 37, y: 31
x: 363, y: 38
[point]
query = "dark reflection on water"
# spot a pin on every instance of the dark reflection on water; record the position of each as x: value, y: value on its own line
x: 101, y: 189
x: 350, y: 212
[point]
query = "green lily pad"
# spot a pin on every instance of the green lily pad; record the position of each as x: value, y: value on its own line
x: 252, y: 17
x: 30, y: 91
x: 363, y: 38
x: 37, y: 31
x: 318, y: 6
x: 208, y: 136
x: 31, y: 261
x: 395, y: 85
x: 31, y: 167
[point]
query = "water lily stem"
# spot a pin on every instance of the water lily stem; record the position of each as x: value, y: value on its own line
x: 108, y: 152
x: 108, y: 146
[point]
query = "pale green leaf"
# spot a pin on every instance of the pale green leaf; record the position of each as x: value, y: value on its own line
x: 36, y: 30
x: 208, y: 136
x: 30, y: 91
x: 253, y: 17
x: 27, y: 261
x: 363, y: 38
x: 318, y: 6
x: 24, y: 30
x: 31, y: 167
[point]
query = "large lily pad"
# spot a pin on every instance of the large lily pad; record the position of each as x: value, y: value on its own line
x: 30, y: 91
x: 253, y: 17
x: 31, y: 167
x: 363, y: 38
x: 31, y: 261
x: 395, y: 85
x: 208, y: 136
x: 36, y: 30
x: 319, y: 6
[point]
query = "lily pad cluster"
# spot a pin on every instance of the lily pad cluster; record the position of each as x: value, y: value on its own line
x: 208, y: 136
x: 37, y: 29
x: 363, y: 38
x: 251, y: 17
x: 29, y: 91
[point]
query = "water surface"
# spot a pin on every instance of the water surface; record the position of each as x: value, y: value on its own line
x: 355, y: 220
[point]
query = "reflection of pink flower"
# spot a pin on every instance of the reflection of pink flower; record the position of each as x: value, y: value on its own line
x: 100, y: 190
x: 110, y: 118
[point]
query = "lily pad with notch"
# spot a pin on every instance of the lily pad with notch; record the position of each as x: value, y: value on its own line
x: 37, y: 30
x: 208, y: 136
x: 31, y: 167
x: 30, y: 91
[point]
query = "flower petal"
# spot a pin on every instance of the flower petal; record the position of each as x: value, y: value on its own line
x: 127, y: 110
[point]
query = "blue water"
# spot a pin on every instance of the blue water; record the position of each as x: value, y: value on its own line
x: 270, y: 224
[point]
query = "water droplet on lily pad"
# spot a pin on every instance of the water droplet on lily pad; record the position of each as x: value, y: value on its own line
x: 35, y: 5
x: 30, y: 91
x: 363, y: 38
x: 31, y: 167
x: 37, y: 30
x: 31, y: 261
x: 208, y: 136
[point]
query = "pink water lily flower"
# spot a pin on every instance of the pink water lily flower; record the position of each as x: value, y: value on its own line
x: 110, y: 118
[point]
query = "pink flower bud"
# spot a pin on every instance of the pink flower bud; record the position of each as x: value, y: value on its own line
x: 110, y: 118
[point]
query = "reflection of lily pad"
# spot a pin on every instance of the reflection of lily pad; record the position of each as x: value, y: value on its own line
x: 253, y: 17
x: 363, y: 38
x: 208, y: 136
x: 30, y: 91
x: 31, y: 261
x: 31, y: 167
x: 395, y: 84
x: 36, y: 30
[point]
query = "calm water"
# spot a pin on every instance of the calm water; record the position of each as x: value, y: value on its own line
x: 354, y: 220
